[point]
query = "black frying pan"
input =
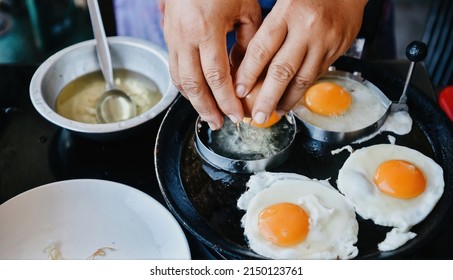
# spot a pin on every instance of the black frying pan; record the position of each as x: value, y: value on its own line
x: 204, y: 199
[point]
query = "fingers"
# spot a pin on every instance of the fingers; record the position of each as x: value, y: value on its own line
x: 312, y: 67
x: 296, y: 42
x: 260, y: 51
x: 216, y: 69
x: 283, y: 47
x: 198, y: 57
x: 195, y: 88
x: 282, y: 69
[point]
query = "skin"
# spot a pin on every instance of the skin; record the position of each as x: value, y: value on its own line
x: 307, y: 37
x: 195, y: 31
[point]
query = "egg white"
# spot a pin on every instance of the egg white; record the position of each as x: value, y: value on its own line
x: 356, y: 182
x: 398, y: 122
x: 333, y: 226
x: 365, y: 108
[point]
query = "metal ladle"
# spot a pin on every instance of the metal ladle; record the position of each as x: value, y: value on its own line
x: 114, y: 105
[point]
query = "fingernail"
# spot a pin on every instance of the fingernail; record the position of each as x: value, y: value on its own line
x: 281, y: 113
x: 240, y: 90
x: 260, y: 118
x: 233, y: 118
x: 213, y: 126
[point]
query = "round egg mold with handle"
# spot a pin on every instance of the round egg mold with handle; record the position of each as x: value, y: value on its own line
x: 319, y: 133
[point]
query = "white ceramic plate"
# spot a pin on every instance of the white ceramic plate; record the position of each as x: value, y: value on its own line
x: 78, y: 217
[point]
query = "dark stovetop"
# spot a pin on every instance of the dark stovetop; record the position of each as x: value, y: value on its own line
x: 34, y: 152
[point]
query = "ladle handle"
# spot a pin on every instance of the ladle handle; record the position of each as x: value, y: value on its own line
x: 416, y: 51
x: 102, y: 46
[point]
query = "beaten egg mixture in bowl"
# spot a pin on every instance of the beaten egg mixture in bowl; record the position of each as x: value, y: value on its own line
x: 64, y: 89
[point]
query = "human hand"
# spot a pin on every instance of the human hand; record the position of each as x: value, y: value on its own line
x: 296, y: 43
x: 195, y: 31
x: 236, y: 57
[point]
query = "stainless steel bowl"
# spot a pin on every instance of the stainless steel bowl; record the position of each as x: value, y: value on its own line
x: 236, y: 165
x: 79, y: 59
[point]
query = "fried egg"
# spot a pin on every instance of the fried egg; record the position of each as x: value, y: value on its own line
x: 392, y: 185
x: 289, y: 216
x: 339, y: 104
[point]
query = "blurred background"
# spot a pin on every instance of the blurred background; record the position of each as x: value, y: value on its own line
x: 32, y: 30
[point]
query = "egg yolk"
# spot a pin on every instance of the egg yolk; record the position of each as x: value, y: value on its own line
x: 284, y: 224
x: 273, y: 119
x: 327, y: 99
x: 400, y: 179
x: 247, y: 104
